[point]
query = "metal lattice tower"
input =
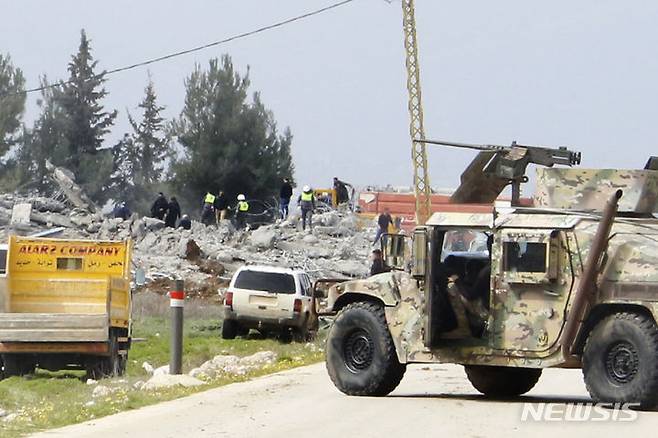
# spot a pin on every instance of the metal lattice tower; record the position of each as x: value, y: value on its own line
x: 416, y: 127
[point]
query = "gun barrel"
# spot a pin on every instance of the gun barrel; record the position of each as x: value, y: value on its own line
x: 479, y: 147
x: 560, y: 155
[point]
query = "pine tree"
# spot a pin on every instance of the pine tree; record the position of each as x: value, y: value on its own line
x: 12, y: 102
x: 140, y: 157
x: 230, y: 143
x: 126, y: 159
x: 150, y: 138
x: 46, y: 140
x: 86, y: 120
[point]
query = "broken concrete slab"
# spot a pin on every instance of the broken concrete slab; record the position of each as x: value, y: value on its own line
x: 263, y: 237
x: 20, y: 214
x: 65, y: 180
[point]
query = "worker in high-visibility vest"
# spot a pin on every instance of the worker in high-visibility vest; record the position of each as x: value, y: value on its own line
x: 208, y: 209
x: 242, y: 210
x: 307, y: 203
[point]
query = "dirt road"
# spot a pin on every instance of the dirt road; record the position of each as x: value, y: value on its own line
x: 431, y: 401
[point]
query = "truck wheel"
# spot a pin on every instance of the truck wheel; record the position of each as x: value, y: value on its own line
x: 18, y: 365
x: 229, y: 329
x: 114, y: 365
x: 496, y: 381
x: 360, y: 354
x: 620, y: 360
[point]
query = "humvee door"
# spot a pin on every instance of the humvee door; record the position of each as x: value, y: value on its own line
x: 532, y: 280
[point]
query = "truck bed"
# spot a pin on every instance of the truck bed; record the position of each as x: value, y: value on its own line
x: 52, y: 327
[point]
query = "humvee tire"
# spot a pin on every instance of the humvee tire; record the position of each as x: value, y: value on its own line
x: 620, y: 360
x: 361, y: 358
x: 497, y: 381
x: 229, y: 329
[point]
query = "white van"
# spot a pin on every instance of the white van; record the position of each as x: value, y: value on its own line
x: 269, y: 299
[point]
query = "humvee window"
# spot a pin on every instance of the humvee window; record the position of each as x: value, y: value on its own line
x: 525, y: 256
x: 465, y: 242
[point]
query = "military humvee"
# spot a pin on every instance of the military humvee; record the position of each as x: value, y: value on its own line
x: 571, y: 282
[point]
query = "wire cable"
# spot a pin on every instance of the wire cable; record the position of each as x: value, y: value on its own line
x: 188, y: 51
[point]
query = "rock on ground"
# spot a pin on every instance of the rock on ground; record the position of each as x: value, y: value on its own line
x: 163, y: 381
x: 101, y: 391
x: 233, y: 365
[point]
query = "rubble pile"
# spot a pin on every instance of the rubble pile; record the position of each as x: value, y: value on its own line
x: 335, y: 248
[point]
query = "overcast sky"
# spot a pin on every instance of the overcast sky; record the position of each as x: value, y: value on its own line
x: 582, y: 74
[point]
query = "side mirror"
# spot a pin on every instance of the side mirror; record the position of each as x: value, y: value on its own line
x: 393, y: 250
x: 419, y: 254
x: 140, y: 277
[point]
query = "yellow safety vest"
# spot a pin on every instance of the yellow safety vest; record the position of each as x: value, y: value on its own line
x: 308, y: 197
x: 210, y: 198
x: 243, y: 206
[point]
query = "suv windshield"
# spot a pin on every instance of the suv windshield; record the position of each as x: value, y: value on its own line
x: 266, y: 281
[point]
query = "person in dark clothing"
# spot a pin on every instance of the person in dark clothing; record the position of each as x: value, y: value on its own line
x: 122, y: 211
x: 342, y: 195
x: 185, y: 222
x: 284, y: 195
x: 221, y: 206
x: 378, y: 265
x: 383, y: 221
x: 173, y: 213
x: 159, y: 207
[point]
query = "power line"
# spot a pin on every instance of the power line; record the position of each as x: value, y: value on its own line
x: 188, y: 51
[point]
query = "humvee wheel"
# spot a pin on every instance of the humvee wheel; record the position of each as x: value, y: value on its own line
x: 496, y: 381
x: 620, y: 360
x: 360, y: 355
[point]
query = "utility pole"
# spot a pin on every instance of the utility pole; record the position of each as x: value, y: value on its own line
x: 416, y: 127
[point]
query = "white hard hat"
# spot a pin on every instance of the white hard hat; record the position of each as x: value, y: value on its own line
x: 241, y: 197
x: 306, y: 188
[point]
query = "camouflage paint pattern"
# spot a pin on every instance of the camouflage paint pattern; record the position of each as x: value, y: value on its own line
x: 527, y: 313
x: 589, y: 189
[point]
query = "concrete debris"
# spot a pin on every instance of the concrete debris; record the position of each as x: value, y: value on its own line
x: 338, y: 246
x: 20, y: 213
x: 65, y: 180
x: 148, y: 368
x: 263, y: 237
x: 91, y: 382
x: 164, y: 381
x: 3, y: 413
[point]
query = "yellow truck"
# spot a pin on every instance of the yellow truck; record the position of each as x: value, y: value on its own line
x: 64, y: 304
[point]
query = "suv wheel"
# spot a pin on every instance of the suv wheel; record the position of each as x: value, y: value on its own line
x: 229, y: 329
x: 620, y: 360
x: 360, y: 354
x: 497, y: 381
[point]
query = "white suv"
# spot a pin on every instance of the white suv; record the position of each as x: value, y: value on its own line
x: 269, y: 299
